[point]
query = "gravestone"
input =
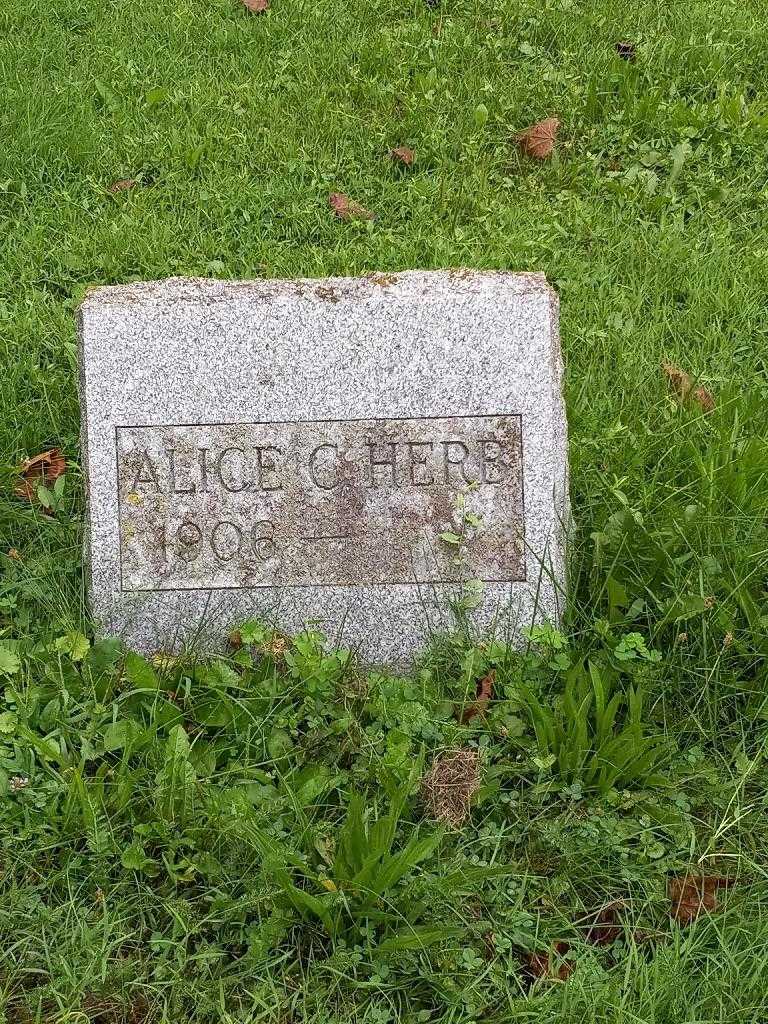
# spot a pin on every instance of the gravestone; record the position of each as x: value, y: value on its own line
x: 355, y: 453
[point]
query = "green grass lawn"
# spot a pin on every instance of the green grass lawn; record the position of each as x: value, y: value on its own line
x: 249, y: 839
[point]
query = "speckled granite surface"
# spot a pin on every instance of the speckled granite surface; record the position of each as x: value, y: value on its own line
x: 443, y: 345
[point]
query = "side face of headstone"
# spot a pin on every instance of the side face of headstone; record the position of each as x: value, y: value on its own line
x: 343, y: 452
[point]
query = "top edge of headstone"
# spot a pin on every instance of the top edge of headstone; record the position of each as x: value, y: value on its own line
x: 207, y: 291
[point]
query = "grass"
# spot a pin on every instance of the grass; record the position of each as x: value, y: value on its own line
x: 150, y: 877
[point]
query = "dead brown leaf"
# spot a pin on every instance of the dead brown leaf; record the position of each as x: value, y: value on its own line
x: 43, y: 469
x: 692, y: 895
x: 14, y: 554
x: 402, y: 155
x: 449, y: 785
x: 550, y: 965
x: 483, y: 694
x: 347, y: 209
x: 124, y: 185
x: 681, y: 384
x: 680, y: 381
x: 538, y: 140
x: 605, y: 927
x: 256, y: 6
x: 626, y: 51
x: 703, y: 398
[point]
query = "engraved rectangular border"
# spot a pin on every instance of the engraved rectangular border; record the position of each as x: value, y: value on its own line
x: 278, y: 423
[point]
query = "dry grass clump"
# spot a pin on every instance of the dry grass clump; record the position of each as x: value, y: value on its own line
x: 449, y: 785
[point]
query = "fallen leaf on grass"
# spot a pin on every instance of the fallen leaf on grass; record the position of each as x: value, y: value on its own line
x: 550, y: 965
x: 402, y: 155
x: 626, y: 51
x: 538, y: 140
x: 124, y: 185
x: 449, y: 785
x: 703, y: 398
x: 14, y: 554
x: 256, y: 6
x: 682, y: 385
x: 41, y: 471
x: 347, y: 209
x: 692, y: 895
x: 605, y: 926
x: 483, y: 694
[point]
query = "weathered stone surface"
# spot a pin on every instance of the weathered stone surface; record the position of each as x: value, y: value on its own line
x: 343, y: 451
x: 329, y: 503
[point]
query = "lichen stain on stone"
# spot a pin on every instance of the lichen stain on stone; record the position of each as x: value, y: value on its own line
x: 382, y: 280
x: 327, y: 294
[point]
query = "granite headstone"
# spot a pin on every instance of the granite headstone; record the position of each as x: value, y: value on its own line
x: 355, y: 453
